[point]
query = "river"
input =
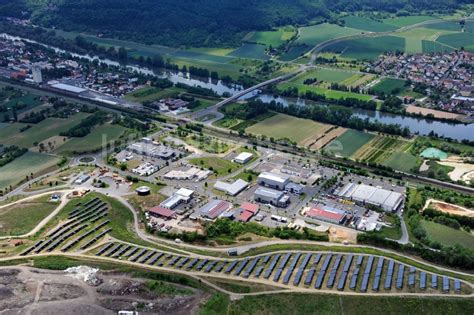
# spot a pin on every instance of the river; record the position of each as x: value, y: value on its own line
x: 416, y: 125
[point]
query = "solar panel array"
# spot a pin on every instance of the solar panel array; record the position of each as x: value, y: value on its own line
x: 345, y: 272
x: 270, y: 268
x: 378, y: 274
x: 322, y: 272
x: 365, y: 277
x: 356, y: 272
x: 301, y: 269
x: 389, y: 276
x: 333, y: 273
x: 400, y: 275
x: 282, y: 265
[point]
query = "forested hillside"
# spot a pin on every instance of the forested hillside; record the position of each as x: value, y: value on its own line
x: 196, y: 22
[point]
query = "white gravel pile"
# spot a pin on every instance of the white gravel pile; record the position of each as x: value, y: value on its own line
x: 84, y: 273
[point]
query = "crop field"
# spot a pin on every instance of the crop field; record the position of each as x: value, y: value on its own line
x: 458, y: 40
x: 273, y: 38
x: 330, y: 94
x: 434, y: 47
x: 389, y: 85
x: 316, y: 34
x: 295, y: 52
x: 283, y: 126
x: 324, y: 74
x: 367, y: 48
x: 423, y: 33
x: 408, y: 20
x: 348, y: 143
x: 149, y: 94
x: 380, y: 148
x: 250, y: 51
x: 25, y: 165
x: 95, y: 140
x: 45, y: 129
x: 447, y: 236
x: 367, y: 24
x: 445, y: 25
x: 402, y: 161
x: 22, y: 217
x: 358, y: 80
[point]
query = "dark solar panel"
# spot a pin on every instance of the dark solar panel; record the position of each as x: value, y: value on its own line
x: 300, y: 271
x: 422, y: 280
x: 272, y: 265
x: 231, y: 266
x: 401, y: 270
x: 434, y: 281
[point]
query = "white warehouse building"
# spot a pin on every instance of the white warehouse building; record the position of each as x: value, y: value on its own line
x: 272, y: 180
x: 386, y: 199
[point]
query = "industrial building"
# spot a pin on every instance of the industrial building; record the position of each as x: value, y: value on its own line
x: 183, y: 195
x: 328, y: 214
x: 232, y: 189
x: 191, y: 173
x: 246, y: 211
x: 273, y: 180
x: 82, y: 179
x: 243, y: 158
x: 365, y: 194
x: 214, y: 208
x: 294, y: 188
x: 151, y: 149
x: 159, y: 211
x: 271, y: 196
x: 68, y: 88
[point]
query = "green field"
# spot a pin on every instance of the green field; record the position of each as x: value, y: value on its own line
x: 327, y: 75
x: 407, y: 20
x: 445, y: 25
x: 447, y: 236
x: 381, y: 148
x: 348, y: 143
x: 367, y: 48
x: 99, y: 137
x: 316, y: 34
x: 21, y: 218
x: 47, y: 128
x: 367, y: 24
x: 330, y: 94
x: 270, y: 38
x: 458, y: 40
x: 283, y: 126
x: 219, y: 166
x: 250, y: 51
x: 30, y: 162
x: 402, y: 161
x: 435, y: 47
x: 389, y: 85
x: 150, y: 94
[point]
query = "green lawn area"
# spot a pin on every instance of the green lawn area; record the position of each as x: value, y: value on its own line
x: 367, y: 24
x: 30, y: 162
x: 283, y: 126
x: 99, y: 136
x: 21, y: 218
x: 327, y: 75
x: 348, y: 143
x: 205, y: 103
x: 447, y: 236
x: 407, y: 20
x: 330, y: 94
x: 47, y: 128
x: 297, y: 303
x: 149, y: 94
x: 220, y: 166
x: 316, y: 34
x: 389, y: 86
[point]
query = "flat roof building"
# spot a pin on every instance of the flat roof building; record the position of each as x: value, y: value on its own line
x: 232, y: 189
x: 272, y: 180
x: 214, y: 208
x: 294, y: 188
x: 243, y: 157
x: 328, y: 214
x: 383, y: 198
x: 271, y: 196
x: 182, y: 195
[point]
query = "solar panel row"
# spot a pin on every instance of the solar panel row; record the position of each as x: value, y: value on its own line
x: 365, y: 277
x: 345, y: 271
x: 378, y: 274
x: 356, y: 272
x: 400, y: 275
x: 251, y: 267
x: 423, y: 280
x: 301, y: 269
x: 272, y: 265
x: 241, y: 266
x: 332, y: 274
x: 389, y: 276
x: 292, y: 267
x: 322, y: 272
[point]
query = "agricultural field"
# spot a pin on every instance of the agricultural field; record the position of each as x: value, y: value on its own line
x: 219, y: 166
x: 39, y: 132
x: 22, y: 217
x: 323, y: 74
x: 348, y: 143
x: 27, y: 164
x: 271, y: 38
x: 317, y: 34
x: 99, y: 137
x: 402, y: 161
x: 447, y: 236
x: 281, y: 126
x: 150, y: 94
x: 389, y: 86
x: 458, y: 40
x: 445, y: 25
x: 366, y: 24
x: 367, y: 48
x: 381, y: 148
x: 251, y: 51
x: 407, y: 20
x: 295, y: 52
x: 330, y: 94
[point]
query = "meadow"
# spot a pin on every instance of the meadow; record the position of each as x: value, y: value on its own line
x: 29, y: 163
x: 270, y: 38
x: 447, y: 236
x: 11, y: 135
x: 407, y: 20
x: 348, y: 143
x: 150, y: 94
x: 402, y: 161
x: 295, y: 52
x: 367, y: 24
x: 99, y: 137
x: 283, y: 126
x: 316, y: 34
x: 324, y: 74
x: 458, y: 40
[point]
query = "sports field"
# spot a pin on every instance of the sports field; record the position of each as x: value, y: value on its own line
x: 316, y: 34
x: 21, y: 218
x: 330, y: 94
x: 30, y: 162
x: 381, y: 148
x: 367, y: 24
x: 95, y: 140
x: 447, y: 236
x: 45, y: 129
x: 348, y: 143
x: 301, y: 131
x: 389, y: 85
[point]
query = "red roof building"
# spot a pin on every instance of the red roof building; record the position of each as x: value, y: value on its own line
x: 245, y: 216
x: 161, y: 212
x: 251, y: 207
x: 330, y: 215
